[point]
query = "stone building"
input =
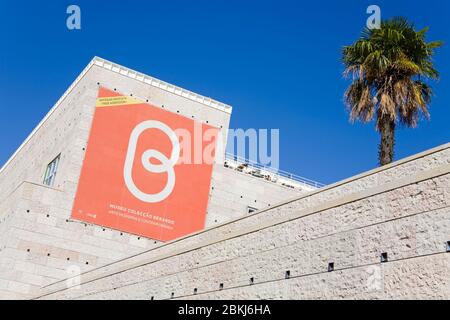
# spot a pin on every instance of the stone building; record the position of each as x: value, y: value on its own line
x: 41, y: 242
x: 383, y: 234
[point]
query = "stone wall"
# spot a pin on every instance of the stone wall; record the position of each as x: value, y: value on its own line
x: 399, y: 213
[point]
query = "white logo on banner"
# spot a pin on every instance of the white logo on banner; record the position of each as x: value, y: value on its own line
x: 166, y: 165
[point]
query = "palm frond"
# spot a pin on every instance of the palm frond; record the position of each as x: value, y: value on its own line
x: 386, y: 67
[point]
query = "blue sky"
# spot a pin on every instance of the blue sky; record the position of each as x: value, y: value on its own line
x: 276, y: 62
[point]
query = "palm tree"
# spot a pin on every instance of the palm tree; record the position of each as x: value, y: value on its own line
x: 390, y: 68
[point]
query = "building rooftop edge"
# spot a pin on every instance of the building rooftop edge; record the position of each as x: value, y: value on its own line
x: 163, y: 85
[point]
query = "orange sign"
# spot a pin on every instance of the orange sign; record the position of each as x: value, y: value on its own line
x: 146, y: 170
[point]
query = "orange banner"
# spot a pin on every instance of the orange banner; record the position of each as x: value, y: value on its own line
x: 145, y: 170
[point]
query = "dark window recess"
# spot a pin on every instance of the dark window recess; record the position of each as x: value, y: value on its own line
x: 173, y: 294
x: 251, y: 209
x: 221, y: 286
x: 195, y: 290
x: 252, y: 280
x: 448, y: 246
x: 331, y: 266
x: 152, y: 298
x: 384, y: 257
x: 288, y: 274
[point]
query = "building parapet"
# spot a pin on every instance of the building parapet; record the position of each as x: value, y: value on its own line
x: 270, y: 174
x: 103, y: 63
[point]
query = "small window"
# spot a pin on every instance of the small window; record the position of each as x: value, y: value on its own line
x: 330, y: 266
x: 50, y: 173
x: 251, y: 209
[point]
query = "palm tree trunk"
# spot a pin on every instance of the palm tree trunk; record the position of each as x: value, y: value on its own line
x: 386, y: 127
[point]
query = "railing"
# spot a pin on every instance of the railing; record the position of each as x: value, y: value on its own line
x: 269, y: 173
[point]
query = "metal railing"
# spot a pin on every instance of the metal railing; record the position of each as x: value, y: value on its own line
x: 269, y: 173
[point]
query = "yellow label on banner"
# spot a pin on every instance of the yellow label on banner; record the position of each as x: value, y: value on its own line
x: 116, y: 101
